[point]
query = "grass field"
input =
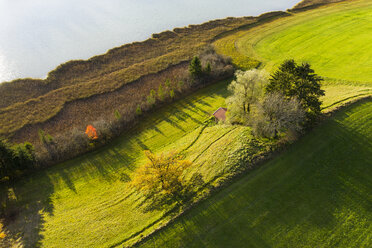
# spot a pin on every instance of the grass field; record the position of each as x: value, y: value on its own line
x: 316, y: 194
x: 86, y: 202
x: 336, y: 40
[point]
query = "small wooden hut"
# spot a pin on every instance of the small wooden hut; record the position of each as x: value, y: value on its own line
x: 220, y: 114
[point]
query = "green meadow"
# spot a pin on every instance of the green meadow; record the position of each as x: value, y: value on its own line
x: 86, y: 202
x: 335, y: 39
x: 316, y: 194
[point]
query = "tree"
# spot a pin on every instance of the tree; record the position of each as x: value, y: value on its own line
x: 91, y: 132
x: 117, y: 115
x: 161, y: 175
x: 15, y: 158
x: 24, y: 156
x: 171, y: 94
x: 300, y: 81
x: 246, y: 90
x: 138, y: 110
x: 161, y: 93
x: 168, y: 84
x: 208, y: 68
x: 195, y: 67
x: 151, y: 98
x: 276, y: 114
x: 6, y: 158
x: 180, y: 85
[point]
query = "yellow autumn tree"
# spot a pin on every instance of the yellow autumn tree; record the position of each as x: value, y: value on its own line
x: 2, y: 233
x: 161, y: 175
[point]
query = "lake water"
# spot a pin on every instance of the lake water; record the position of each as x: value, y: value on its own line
x: 38, y: 35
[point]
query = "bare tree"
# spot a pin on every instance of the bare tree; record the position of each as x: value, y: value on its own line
x: 246, y: 90
x: 275, y: 115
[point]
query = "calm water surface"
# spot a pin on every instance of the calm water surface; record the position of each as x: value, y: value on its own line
x: 38, y: 35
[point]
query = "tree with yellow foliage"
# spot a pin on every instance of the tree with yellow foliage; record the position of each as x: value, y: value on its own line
x: 161, y: 175
x: 2, y: 233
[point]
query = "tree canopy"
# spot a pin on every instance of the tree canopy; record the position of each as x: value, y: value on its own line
x: 293, y: 80
x: 245, y: 90
x: 275, y: 114
x: 195, y: 67
x: 14, y: 159
x: 91, y: 132
x: 161, y: 175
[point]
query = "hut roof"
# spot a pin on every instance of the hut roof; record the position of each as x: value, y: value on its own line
x: 220, y: 114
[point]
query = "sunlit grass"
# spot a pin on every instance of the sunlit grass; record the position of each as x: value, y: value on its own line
x: 86, y: 202
x: 336, y: 40
x: 316, y: 194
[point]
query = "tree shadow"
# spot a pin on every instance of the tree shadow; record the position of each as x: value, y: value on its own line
x: 67, y: 180
x: 183, y: 116
x: 24, y: 204
x: 175, y: 124
x: 156, y: 129
x: 142, y: 145
x: 156, y: 202
x: 191, y: 106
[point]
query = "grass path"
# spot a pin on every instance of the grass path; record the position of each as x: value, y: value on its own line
x: 316, y: 194
x: 335, y: 39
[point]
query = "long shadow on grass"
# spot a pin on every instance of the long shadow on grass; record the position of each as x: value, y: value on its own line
x: 320, y: 183
x: 24, y: 204
x: 192, y: 107
x: 174, y: 123
x: 183, y: 116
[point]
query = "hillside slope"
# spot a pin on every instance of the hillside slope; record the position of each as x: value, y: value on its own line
x: 335, y: 39
x: 86, y: 202
x: 316, y: 194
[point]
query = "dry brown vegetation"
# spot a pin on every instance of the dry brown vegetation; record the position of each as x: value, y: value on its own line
x: 313, y: 3
x: 81, y: 112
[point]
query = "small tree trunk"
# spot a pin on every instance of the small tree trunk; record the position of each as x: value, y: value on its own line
x: 275, y: 134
